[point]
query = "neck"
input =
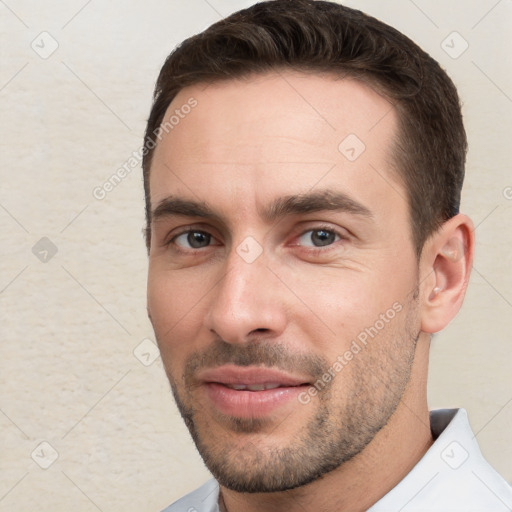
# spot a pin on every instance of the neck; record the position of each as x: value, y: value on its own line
x: 361, y: 482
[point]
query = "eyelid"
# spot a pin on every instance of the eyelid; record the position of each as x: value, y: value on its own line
x: 186, y: 234
x: 342, y: 233
x: 188, y: 228
x: 310, y: 233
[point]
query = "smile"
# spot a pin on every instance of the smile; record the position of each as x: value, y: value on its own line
x: 250, y: 392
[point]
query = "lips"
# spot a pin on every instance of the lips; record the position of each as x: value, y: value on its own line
x: 253, y: 378
x: 250, y: 392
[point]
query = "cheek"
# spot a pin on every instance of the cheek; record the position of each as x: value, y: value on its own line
x: 161, y: 301
x: 344, y: 305
x: 175, y: 308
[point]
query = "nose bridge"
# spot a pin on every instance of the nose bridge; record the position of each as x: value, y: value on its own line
x: 244, y: 299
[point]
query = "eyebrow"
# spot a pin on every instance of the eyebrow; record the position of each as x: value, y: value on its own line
x: 172, y: 206
x: 314, y: 202
x: 299, y: 204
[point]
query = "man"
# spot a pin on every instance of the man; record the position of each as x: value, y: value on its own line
x: 303, y: 169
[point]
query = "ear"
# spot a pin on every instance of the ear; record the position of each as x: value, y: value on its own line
x: 445, y: 266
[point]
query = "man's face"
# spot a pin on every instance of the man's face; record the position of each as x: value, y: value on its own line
x: 280, y: 256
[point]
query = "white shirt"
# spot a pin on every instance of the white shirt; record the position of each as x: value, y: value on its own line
x: 452, y: 476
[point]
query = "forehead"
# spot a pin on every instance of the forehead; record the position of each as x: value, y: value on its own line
x: 274, y: 134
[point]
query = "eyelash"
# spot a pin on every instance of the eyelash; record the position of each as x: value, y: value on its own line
x: 186, y: 232
x: 321, y: 250
x: 310, y: 249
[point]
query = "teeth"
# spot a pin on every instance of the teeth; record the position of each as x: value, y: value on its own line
x: 253, y: 387
x: 256, y: 387
x: 272, y: 385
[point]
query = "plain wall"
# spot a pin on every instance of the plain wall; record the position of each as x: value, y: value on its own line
x: 72, y: 323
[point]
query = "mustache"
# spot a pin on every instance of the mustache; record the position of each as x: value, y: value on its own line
x: 255, y: 353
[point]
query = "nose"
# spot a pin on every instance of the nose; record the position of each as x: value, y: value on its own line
x: 246, y: 303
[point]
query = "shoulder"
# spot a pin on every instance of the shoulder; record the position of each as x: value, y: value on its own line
x: 203, y: 499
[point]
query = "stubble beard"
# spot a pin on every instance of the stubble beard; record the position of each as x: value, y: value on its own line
x: 332, y: 436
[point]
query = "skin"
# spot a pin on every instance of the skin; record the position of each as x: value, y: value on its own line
x: 298, y: 306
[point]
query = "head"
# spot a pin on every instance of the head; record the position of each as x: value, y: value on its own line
x: 430, y: 146
x: 303, y: 168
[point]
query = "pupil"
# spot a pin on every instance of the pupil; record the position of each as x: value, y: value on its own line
x: 196, y: 239
x: 322, y: 237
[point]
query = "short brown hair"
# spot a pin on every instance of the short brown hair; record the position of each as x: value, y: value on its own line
x: 320, y: 36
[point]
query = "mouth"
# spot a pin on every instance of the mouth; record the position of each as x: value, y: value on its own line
x: 250, y: 392
x: 254, y: 387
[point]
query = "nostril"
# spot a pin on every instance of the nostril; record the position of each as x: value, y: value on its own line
x: 259, y: 331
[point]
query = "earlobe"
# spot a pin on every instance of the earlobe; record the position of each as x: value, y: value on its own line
x: 446, y: 260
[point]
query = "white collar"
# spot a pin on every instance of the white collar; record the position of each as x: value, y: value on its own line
x: 452, y: 476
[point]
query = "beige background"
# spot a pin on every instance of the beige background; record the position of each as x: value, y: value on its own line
x: 72, y: 325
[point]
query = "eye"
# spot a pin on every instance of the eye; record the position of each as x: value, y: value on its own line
x: 193, y: 239
x: 318, y: 238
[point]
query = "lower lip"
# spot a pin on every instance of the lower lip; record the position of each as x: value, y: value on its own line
x: 250, y: 404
